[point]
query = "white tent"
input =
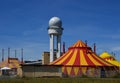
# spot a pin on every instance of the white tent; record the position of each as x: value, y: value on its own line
x: 5, y: 68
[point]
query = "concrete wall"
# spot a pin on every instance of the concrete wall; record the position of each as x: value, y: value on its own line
x: 41, y: 71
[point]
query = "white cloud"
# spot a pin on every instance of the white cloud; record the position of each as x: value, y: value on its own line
x: 116, y: 48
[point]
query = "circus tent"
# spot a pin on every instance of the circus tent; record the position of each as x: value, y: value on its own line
x: 12, y: 63
x: 80, y: 60
x: 110, y: 58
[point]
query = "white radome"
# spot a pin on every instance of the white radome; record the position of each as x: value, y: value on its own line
x: 55, y: 21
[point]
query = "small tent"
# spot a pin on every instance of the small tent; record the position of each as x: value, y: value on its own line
x: 110, y: 58
x: 5, y: 70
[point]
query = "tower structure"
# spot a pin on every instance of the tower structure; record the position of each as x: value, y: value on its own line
x: 55, y: 31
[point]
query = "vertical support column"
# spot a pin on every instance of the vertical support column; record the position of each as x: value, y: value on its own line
x: 51, y: 48
x: 59, y: 46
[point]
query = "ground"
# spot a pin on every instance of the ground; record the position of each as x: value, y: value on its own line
x: 59, y: 80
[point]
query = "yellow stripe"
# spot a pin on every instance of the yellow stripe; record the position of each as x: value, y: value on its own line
x: 115, y: 62
x: 83, y: 45
x: 72, y: 60
x: 78, y: 44
x: 84, y: 69
x: 63, y: 69
x: 93, y: 60
x: 91, y: 71
x: 68, y: 70
x: 82, y: 58
x: 76, y: 69
x: 75, y: 45
x: 10, y: 66
x: 66, y: 56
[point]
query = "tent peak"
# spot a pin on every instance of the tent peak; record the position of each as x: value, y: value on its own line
x: 79, y: 43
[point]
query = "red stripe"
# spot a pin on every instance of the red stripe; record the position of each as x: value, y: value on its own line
x: 65, y: 71
x: 77, y: 59
x: 89, y: 62
x: 72, y: 73
x: 67, y: 60
x: 79, y: 72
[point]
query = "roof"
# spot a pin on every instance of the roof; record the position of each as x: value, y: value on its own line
x: 11, y: 63
x: 79, y: 54
x: 106, y: 55
x: 109, y: 58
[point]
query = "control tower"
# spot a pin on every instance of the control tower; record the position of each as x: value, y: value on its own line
x: 55, y: 31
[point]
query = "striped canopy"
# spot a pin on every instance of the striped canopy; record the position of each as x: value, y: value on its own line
x: 79, y: 54
x: 11, y: 63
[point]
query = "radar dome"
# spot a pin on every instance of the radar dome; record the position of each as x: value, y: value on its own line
x: 55, y: 21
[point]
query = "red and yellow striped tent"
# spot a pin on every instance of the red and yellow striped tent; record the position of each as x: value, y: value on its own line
x: 81, y: 60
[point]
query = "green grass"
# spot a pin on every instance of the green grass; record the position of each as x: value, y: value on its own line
x: 62, y: 80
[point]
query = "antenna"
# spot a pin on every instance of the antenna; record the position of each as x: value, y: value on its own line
x: 94, y: 47
x: 86, y: 42
x: 86, y: 46
x: 2, y: 54
x: 15, y: 53
x: 8, y: 54
x: 63, y: 47
x: 22, y: 55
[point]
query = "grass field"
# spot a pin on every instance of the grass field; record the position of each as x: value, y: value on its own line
x: 61, y: 80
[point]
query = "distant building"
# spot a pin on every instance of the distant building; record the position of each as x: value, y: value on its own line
x: 33, y: 62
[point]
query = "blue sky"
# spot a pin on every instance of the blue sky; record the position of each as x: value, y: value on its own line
x: 23, y: 24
